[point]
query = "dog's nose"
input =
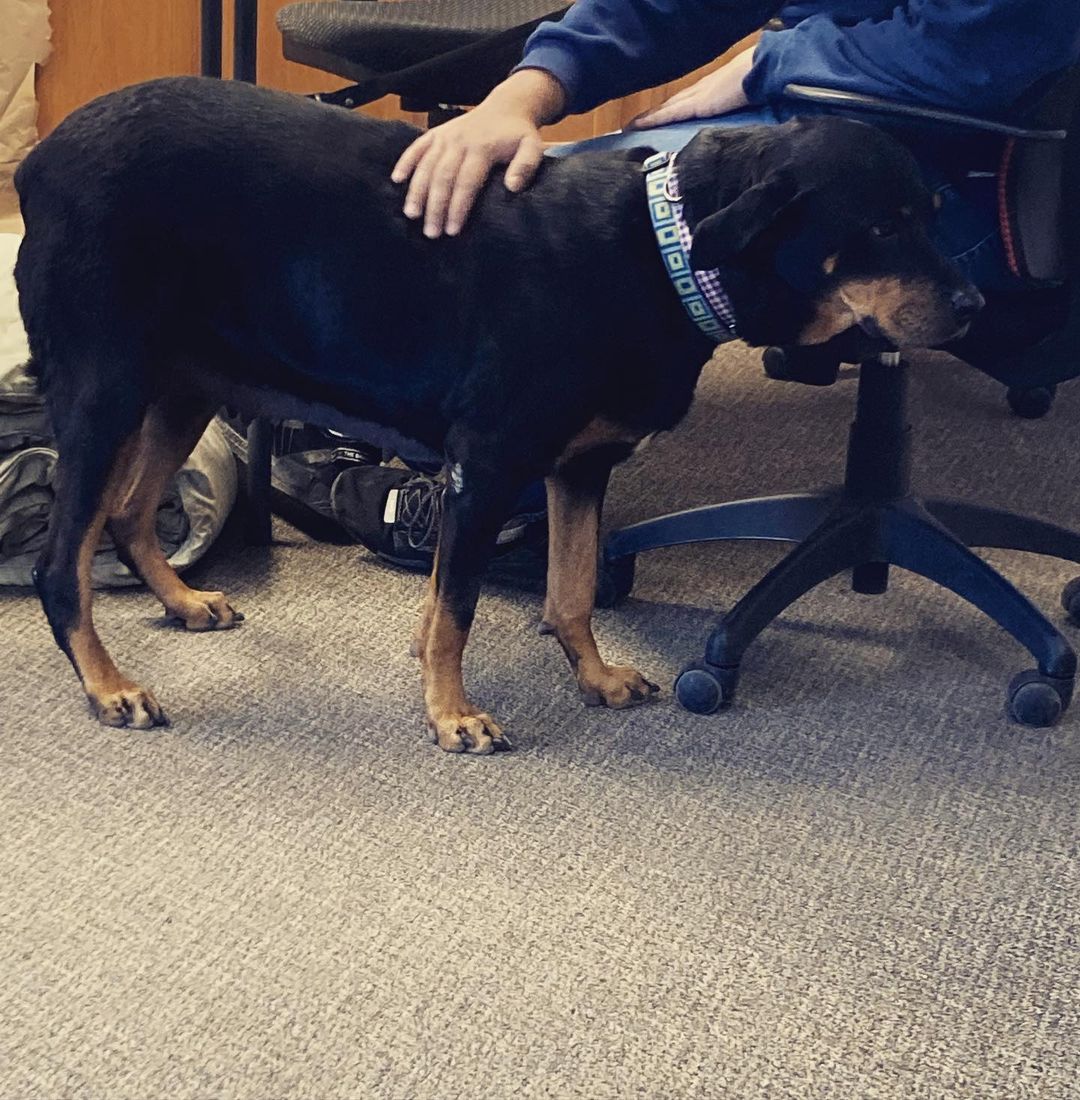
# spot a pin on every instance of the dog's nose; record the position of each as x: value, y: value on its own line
x: 966, y: 302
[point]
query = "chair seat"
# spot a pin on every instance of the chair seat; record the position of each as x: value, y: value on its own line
x: 364, y: 39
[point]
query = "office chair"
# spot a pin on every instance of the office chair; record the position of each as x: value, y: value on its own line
x: 1029, y: 341
x: 437, y: 56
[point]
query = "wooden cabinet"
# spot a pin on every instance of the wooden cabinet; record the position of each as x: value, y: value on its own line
x: 99, y: 45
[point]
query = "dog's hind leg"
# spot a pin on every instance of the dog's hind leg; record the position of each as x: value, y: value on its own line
x: 419, y: 642
x: 171, y: 428
x: 98, y: 438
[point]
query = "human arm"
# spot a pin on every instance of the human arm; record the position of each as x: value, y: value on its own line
x: 603, y: 49
x: 600, y: 49
x: 979, y: 56
x: 716, y: 93
x: 447, y: 165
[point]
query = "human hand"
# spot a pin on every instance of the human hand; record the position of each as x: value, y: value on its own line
x: 714, y: 94
x: 449, y: 164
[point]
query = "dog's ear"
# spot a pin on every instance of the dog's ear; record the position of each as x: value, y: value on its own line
x: 720, y: 237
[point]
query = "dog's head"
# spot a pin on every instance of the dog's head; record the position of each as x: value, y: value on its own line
x: 820, y: 225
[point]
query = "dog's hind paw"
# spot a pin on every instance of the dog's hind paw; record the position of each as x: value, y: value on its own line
x: 617, y: 687
x: 130, y: 706
x: 201, y: 611
x: 474, y: 733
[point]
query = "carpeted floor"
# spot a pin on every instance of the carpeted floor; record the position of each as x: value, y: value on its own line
x: 860, y: 882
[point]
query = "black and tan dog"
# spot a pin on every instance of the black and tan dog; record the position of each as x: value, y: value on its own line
x: 191, y: 243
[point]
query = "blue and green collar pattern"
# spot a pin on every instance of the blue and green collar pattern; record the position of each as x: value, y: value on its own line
x: 701, y: 292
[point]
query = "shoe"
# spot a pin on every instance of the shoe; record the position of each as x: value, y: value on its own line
x: 396, y: 514
x: 304, y: 462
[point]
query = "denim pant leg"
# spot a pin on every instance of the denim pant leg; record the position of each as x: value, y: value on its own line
x: 671, y: 138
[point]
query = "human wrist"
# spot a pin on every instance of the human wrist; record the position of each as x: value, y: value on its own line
x: 532, y: 94
x: 747, y: 60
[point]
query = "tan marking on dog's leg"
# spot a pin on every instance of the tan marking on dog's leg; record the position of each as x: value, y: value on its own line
x: 115, y: 700
x: 163, y: 445
x: 596, y: 433
x: 457, y: 726
x: 419, y: 642
x: 573, y: 534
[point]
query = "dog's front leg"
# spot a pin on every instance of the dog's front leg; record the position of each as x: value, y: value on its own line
x: 473, y: 508
x: 575, y: 494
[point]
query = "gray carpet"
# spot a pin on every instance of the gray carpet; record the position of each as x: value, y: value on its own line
x: 860, y: 882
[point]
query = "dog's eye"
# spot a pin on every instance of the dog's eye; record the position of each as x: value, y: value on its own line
x: 883, y: 230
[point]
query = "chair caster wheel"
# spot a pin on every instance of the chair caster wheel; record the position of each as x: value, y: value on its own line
x: 1070, y: 599
x: 1030, y: 403
x: 704, y: 689
x: 1036, y: 700
x: 615, y: 580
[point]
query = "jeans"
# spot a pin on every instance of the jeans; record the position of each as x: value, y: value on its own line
x: 958, y: 170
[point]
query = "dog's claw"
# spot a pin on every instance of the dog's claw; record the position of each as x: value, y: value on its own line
x: 476, y: 734
x: 128, y: 707
x: 617, y: 687
x: 205, y: 611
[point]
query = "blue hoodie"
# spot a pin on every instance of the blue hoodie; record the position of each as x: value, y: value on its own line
x: 978, y: 56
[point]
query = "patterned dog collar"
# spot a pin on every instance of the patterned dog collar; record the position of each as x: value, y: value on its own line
x: 701, y: 292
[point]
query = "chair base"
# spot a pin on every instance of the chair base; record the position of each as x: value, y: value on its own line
x: 870, y: 523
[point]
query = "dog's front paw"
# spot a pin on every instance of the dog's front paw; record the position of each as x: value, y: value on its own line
x: 473, y: 732
x: 202, y: 611
x: 127, y: 706
x: 617, y: 687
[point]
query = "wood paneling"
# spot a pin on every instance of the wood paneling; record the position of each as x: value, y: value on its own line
x: 99, y: 45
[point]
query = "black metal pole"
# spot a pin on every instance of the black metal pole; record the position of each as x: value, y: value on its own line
x: 260, y: 431
x: 245, y: 39
x: 260, y: 438
x: 210, y: 38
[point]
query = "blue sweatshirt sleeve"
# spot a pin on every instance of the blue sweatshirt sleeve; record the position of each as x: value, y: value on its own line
x: 602, y: 49
x: 975, y: 56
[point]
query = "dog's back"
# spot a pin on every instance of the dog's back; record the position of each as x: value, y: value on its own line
x: 142, y: 207
x: 195, y: 220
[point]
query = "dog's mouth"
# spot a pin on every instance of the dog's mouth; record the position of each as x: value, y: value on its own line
x: 870, y: 326
x: 872, y: 329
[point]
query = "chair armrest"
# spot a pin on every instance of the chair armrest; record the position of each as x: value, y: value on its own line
x: 834, y: 97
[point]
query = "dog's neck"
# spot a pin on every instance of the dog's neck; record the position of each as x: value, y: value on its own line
x: 701, y: 292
